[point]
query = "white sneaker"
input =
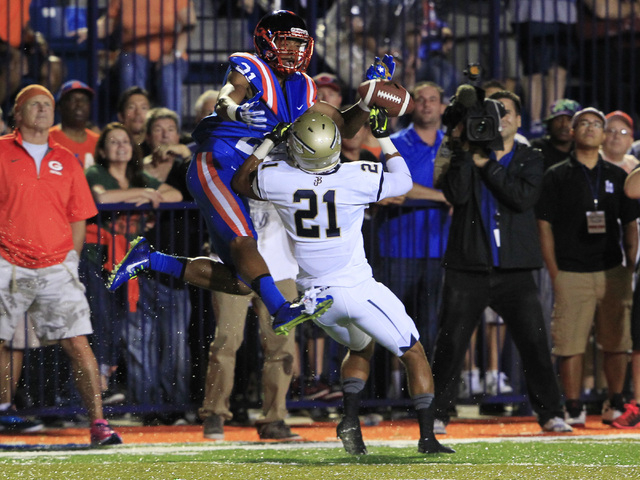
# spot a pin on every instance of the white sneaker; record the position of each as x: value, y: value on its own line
x: 497, y: 383
x: 439, y: 428
x: 609, y: 413
x: 470, y: 384
x: 577, y: 422
x: 557, y: 425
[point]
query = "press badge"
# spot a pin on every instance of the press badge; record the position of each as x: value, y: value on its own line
x: 496, y: 236
x: 596, y: 222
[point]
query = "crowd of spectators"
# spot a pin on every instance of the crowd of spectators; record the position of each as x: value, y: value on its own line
x: 142, y: 341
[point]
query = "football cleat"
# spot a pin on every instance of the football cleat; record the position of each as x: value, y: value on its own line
x: 351, y: 435
x: 134, y: 262
x: 306, y: 307
x: 431, y: 445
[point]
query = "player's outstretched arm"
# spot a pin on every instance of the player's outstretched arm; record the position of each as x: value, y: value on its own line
x: 243, y: 178
x: 398, y: 178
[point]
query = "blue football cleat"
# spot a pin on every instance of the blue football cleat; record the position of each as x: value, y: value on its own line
x: 306, y: 307
x: 134, y: 262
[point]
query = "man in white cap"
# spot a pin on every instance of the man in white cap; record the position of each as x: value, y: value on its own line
x: 581, y: 203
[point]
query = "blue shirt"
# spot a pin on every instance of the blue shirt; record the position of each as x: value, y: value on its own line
x: 489, y: 209
x: 420, y: 232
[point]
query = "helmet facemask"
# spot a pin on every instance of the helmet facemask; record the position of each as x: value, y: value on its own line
x: 282, y: 40
x: 284, y: 59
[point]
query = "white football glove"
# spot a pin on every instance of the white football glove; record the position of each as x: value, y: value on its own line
x: 252, y: 113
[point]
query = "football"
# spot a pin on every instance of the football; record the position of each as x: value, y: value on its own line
x: 386, y: 94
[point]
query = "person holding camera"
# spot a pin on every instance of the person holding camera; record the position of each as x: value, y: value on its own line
x: 491, y: 254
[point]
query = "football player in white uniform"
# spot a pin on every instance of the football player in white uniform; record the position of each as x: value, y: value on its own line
x: 322, y: 202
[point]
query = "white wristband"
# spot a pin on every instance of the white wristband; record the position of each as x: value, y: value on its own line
x: 231, y: 112
x: 363, y: 106
x: 263, y: 149
x: 388, y: 148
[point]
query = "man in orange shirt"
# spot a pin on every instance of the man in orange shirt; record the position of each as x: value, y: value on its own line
x: 74, y: 105
x: 154, y: 43
x: 44, y: 203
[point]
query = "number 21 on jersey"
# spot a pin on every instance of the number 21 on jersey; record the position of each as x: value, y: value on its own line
x: 310, y: 213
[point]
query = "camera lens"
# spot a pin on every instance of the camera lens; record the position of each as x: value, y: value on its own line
x: 481, y: 129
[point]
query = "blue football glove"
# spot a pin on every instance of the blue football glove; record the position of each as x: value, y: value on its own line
x: 381, y: 69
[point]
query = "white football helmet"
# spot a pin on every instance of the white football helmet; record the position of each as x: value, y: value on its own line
x: 314, y: 142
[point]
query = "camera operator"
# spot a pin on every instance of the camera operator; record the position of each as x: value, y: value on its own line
x: 491, y: 254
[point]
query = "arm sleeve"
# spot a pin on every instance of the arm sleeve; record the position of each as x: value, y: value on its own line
x: 397, y: 180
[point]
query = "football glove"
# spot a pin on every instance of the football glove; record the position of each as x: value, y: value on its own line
x: 379, y: 121
x: 279, y: 133
x: 252, y: 113
x: 381, y: 69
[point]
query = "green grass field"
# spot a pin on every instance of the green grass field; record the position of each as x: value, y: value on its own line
x: 540, y: 459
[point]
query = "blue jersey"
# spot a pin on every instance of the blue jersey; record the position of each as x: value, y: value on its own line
x: 421, y: 232
x: 283, y: 105
x: 224, y: 145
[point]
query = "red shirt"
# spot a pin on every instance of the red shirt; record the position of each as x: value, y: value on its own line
x: 84, y: 151
x: 36, y: 210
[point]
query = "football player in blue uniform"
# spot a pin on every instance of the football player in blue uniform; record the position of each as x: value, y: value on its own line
x: 261, y: 90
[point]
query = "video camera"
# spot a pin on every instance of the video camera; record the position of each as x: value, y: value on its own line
x: 480, y: 116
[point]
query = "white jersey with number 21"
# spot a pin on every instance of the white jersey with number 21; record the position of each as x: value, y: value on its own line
x: 323, y: 215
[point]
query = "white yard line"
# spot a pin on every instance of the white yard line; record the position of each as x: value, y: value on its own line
x: 194, y: 448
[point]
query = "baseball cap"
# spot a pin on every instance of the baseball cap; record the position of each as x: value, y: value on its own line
x: 72, y: 85
x: 328, y: 80
x: 563, y: 106
x: 593, y: 110
x: 626, y: 118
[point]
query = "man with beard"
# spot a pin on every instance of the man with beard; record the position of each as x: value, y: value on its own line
x: 74, y: 105
x: 558, y: 142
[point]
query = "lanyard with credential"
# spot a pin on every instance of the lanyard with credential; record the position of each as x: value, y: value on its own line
x: 594, y: 190
x: 596, y: 222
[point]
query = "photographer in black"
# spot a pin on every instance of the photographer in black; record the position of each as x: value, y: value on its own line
x: 493, y: 249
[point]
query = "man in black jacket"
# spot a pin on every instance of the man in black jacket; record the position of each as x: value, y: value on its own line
x: 492, y: 251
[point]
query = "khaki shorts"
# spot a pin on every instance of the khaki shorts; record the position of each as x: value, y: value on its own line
x: 582, y: 297
x: 52, y: 296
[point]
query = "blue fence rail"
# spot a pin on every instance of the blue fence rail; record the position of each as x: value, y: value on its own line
x: 166, y: 374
